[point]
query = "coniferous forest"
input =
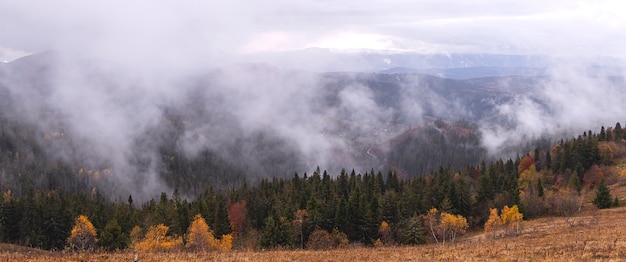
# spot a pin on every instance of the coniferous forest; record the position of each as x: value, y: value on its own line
x: 310, y: 210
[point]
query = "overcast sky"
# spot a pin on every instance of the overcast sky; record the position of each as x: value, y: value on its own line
x: 219, y: 30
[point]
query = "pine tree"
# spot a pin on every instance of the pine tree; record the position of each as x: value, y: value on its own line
x: 602, y: 134
x: 413, y: 233
x: 603, y: 197
x: 619, y: 133
x: 548, y: 159
x: 112, y: 237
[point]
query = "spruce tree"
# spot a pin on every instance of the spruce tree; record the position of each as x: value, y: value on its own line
x: 602, y: 134
x: 619, y: 132
x: 603, y: 197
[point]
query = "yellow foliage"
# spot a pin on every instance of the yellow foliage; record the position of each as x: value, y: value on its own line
x: 384, y: 227
x: 83, y: 235
x: 452, y: 222
x: 493, y: 222
x: 200, y: 237
x: 226, y: 244
x: 511, y: 218
x: 453, y: 225
x: 156, y: 240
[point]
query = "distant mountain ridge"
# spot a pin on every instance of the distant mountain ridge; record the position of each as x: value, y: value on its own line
x: 465, y: 73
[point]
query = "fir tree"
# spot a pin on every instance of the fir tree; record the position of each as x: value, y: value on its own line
x: 619, y: 133
x: 603, y: 197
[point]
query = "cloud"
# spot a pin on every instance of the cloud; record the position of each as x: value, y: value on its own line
x: 574, y: 97
x: 212, y: 33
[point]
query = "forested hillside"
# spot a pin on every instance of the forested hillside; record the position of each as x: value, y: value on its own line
x: 322, y: 210
x: 74, y: 124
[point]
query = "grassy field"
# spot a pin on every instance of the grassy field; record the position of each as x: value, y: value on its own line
x: 545, y: 239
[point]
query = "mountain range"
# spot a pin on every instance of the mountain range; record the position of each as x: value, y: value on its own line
x: 66, y: 118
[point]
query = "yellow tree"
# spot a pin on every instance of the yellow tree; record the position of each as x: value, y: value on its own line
x: 511, y: 218
x: 156, y: 240
x: 199, y: 235
x: 226, y: 244
x: 494, y: 222
x: 453, y: 225
x: 83, y: 235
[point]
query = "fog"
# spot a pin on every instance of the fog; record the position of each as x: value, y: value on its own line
x: 237, y: 71
x: 575, y: 96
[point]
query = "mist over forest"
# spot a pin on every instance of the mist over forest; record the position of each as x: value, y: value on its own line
x: 132, y: 131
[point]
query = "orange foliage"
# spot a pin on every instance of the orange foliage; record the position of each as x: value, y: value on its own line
x: 156, y: 240
x: 525, y: 163
x: 200, y: 237
x: 494, y: 222
x: 83, y: 235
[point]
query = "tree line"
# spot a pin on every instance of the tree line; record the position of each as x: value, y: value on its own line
x: 321, y: 210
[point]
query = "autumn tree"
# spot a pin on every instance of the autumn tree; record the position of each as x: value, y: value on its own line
x: 494, y: 222
x: 453, y: 225
x: 237, y: 216
x: 157, y: 240
x: 525, y: 163
x: 511, y: 219
x: 83, y: 235
x: 200, y: 237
